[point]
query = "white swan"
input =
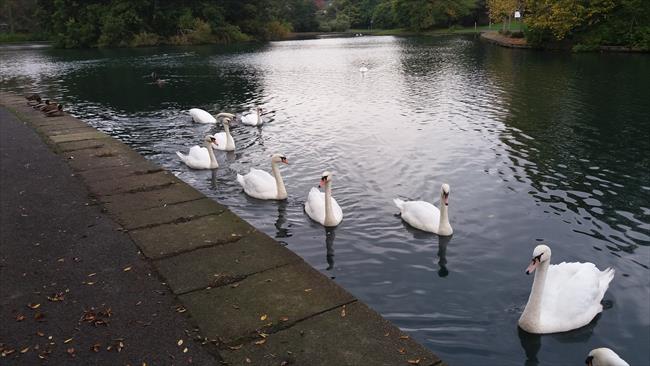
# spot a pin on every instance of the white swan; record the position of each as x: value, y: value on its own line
x: 564, y: 296
x: 262, y: 185
x: 201, y: 116
x: 363, y: 69
x: 224, y: 139
x: 201, y: 157
x: 425, y: 216
x: 604, y: 357
x: 254, y: 118
x: 322, y: 207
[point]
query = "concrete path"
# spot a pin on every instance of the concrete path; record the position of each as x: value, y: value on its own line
x: 253, y: 301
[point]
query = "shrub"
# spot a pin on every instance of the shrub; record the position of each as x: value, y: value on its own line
x: 144, y: 39
x: 275, y: 30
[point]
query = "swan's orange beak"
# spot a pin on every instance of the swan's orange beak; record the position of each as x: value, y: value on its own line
x: 533, y: 265
x: 284, y: 160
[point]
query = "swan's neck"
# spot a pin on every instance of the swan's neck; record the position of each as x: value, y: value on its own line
x: 213, y: 159
x: 230, y: 143
x: 329, y: 218
x: 444, y: 228
x: 259, y: 116
x: 531, y: 315
x: 279, y: 183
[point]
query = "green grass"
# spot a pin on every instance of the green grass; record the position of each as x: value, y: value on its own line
x: 20, y: 37
x: 514, y: 26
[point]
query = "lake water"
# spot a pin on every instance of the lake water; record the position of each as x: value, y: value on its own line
x: 537, y: 147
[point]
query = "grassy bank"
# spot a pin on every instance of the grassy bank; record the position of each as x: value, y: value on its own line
x: 21, y: 37
x: 514, y: 26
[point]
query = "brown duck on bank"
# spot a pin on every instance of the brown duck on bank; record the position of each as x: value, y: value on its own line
x: 42, y: 104
x: 55, y: 112
x: 34, y: 102
x: 49, y: 106
x: 33, y: 98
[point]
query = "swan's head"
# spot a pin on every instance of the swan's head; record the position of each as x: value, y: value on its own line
x: 47, y: 101
x: 444, y: 194
x: 225, y: 115
x: 226, y: 121
x: 604, y: 357
x: 325, y: 178
x: 542, y: 253
x: 211, y: 140
x: 279, y: 158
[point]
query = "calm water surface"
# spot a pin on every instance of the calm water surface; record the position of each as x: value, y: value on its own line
x: 537, y: 147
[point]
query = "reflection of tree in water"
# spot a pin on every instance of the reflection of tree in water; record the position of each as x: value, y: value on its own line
x: 280, y: 230
x: 579, y: 149
x: 329, y: 247
x: 532, y: 343
x: 442, y: 255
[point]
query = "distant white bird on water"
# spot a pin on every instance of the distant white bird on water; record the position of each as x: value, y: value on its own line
x: 201, y: 116
x: 201, y: 157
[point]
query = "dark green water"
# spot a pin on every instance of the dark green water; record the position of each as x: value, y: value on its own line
x: 537, y: 147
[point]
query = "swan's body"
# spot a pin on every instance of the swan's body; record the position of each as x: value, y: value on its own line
x: 201, y: 116
x: 224, y: 139
x: 564, y: 296
x: 260, y: 184
x: 322, y: 207
x: 604, y: 357
x: 200, y: 157
x: 425, y: 216
x: 254, y: 118
x: 363, y: 69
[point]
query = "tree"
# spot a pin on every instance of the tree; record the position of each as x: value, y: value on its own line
x: 502, y: 10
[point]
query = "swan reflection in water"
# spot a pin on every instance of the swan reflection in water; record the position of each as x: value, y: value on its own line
x: 280, y: 230
x: 532, y: 343
x: 329, y: 248
x: 213, y: 179
x: 442, y: 255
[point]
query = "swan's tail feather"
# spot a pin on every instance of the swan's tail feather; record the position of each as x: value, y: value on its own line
x: 181, y: 156
x: 240, y: 179
x: 399, y: 203
x: 606, y: 277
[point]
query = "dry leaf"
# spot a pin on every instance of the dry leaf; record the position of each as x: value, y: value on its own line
x: 92, y: 274
x: 127, y: 269
x: 307, y: 290
x: 261, y: 342
x: 180, y: 342
x: 180, y: 309
x: 414, y: 362
x: 234, y: 348
x: 343, y: 312
x: 67, y: 340
x: 39, y: 333
x: 386, y: 334
x: 284, y: 318
x: 96, y: 347
x: 404, y: 337
x: 401, y: 351
x: 24, y: 350
x: 20, y: 317
x: 248, y: 360
x: 185, y: 350
x: 33, y: 305
x: 263, y: 317
x: 56, y: 297
x: 234, y: 285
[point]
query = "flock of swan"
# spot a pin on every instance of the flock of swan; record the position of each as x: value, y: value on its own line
x: 563, y: 297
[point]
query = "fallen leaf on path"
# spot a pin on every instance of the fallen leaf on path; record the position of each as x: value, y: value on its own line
x: 24, y: 350
x: 96, y: 347
x: 180, y: 342
x: 20, y: 317
x: 33, y: 305
x: 260, y: 342
x: 414, y: 362
x: 234, y: 285
x: 307, y: 290
x: 343, y: 312
x: 263, y: 317
x: 248, y: 360
x: 56, y: 297
x: 234, y: 348
x: 404, y: 337
x: 39, y: 333
x: 67, y: 340
x: 185, y: 350
x: 92, y: 274
x: 284, y: 318
x: 127, y: 269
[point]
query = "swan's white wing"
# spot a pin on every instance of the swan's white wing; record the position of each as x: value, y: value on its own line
x: 199, y: 153
x: 221, y: 140
x: 572, y: 295
x: 337, y: 212
x: 315, y: 205
x: 194, y: 163
x: 421, y: 215
x: 260, y: 184
x: 251, y: 119
x: 201, y: 116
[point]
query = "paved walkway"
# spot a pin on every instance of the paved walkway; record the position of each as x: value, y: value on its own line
x: 73, y: 228
x: 74, y: 289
